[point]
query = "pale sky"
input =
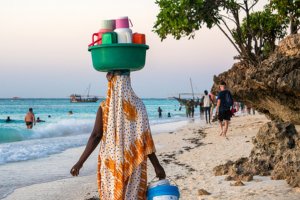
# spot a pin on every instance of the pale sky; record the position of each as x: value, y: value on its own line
x: 43, y: 50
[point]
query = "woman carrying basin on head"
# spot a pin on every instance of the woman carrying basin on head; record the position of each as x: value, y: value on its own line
x: 123, y: 131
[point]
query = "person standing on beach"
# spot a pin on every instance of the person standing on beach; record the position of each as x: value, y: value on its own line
x: 206, y: 104
x: 224, y: 102
x: 123, y: 131
x: 188, y: 109
x: 201, y: 109
x: 192, y: 108
x: 30, y: 119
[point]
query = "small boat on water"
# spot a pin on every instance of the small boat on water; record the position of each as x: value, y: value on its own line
x: 194, y: 97
x: 78, y: 98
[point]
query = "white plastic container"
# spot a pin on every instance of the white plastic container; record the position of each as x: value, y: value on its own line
x: 160, y: 182
x: 123, y: 30
x: 124, y: 35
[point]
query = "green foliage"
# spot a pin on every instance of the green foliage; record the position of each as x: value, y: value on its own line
x: 183, y: 17
x: 253, y: 36
x: 286, y: 7
x: 288, y: 10
x: 264, y: 28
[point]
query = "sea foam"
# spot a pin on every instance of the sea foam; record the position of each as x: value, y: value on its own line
x: 38, y: 148
x: 43, y: 140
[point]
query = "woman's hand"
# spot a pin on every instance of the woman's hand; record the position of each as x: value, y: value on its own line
x: 75, y: 169
x: 160, y: 172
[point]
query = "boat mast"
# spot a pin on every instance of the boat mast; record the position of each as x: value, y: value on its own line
x: 192, y: 88
x: 89, y: 90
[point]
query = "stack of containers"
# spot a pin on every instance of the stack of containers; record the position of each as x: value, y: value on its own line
x: 114, y: 47
x: 106, y: 26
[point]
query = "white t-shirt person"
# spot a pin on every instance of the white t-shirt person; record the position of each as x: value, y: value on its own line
x: 206, y: 101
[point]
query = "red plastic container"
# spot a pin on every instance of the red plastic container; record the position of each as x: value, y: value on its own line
x: 99, y: 37
x: 138, y: 38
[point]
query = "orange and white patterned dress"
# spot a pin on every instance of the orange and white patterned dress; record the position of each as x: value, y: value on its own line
x: 126, y: 142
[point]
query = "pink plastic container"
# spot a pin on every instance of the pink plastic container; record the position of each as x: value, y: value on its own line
x: 123, y: 22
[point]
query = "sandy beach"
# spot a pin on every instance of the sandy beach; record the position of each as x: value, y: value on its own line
x: 126, y: 71
x: 188, y: 155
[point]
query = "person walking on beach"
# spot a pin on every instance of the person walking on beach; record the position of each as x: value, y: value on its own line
x: 188, y: 109
x: 224, y: 102
x: 206, y: 104
x: 30, y: 119
x: 192, y: 108
x: 159, y: 110
x: 123, y: 131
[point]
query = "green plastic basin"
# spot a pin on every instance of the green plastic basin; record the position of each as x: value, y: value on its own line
x: 110, y: 57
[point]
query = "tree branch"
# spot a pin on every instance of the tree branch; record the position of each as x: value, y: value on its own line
x: 255, y: 2
x: 232, y: 42
x: 242, y: 7
x: 249, y: 36
x: 228, y: 18
x: 238, y: 30
x: 255, y: 46
x: 227, y: 27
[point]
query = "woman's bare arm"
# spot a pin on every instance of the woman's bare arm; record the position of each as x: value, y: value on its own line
x: 159, y: 170
x: 93, y: 142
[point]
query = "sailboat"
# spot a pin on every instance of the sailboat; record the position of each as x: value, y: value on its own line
x: 193, y: 96
x: 77, y: 98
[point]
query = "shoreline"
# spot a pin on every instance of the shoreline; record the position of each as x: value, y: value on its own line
x: 35, y: 168
x: 188, y: 155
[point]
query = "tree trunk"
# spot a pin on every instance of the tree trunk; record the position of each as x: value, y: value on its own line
x: 294, y: 25
x: 249, y: 36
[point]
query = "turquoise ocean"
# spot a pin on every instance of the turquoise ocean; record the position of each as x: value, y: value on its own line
x: 47, y: 152
x: 63, y: 130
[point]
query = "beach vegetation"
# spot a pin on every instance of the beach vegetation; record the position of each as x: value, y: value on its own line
x: 263, y: 28
x: 288, y: 10
x: 252, y: 33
